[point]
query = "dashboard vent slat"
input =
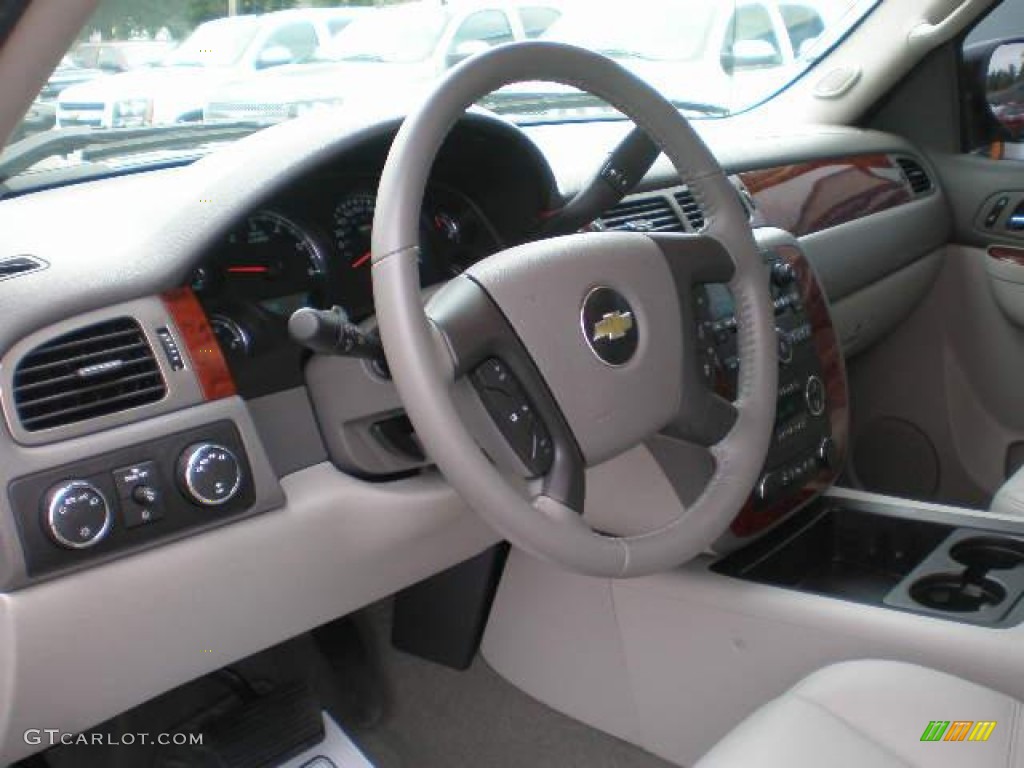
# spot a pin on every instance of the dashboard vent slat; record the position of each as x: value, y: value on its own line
x: 691, y: 209
x: 647, y: 214
x: 916, y: 176
x: 19, y: 265
x: 95, y: 371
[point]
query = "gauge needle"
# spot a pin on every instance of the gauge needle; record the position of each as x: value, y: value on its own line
x: 249, y: 270
x: 361, y: 260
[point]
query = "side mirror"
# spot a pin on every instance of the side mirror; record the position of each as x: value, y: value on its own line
x: 464, y: 50
x: 1004, y: 87
x: 750, y: 54
x: 274, y: 56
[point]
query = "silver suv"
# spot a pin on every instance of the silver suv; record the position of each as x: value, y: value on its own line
x: 391, y: 50
x: 217, y: 51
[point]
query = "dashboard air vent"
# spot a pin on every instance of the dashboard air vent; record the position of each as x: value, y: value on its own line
x: 95, y: 371
x: 19, y: 265
x: 916, y: 176
x: 645, y: 214
x: 691, y: 209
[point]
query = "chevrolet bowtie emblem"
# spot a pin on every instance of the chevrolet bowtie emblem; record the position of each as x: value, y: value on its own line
x: 609, y: 326
x: 613, y: 326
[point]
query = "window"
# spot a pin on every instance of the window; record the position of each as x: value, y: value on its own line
x: 750, y: 41
x: 299, y: 39
x: 86, y: 55
x: 334, y: 26
x: 489, y: 27
x: 803, y: 25
x: 537, y: 20
x: 109, y: 59
x: 993, y: 78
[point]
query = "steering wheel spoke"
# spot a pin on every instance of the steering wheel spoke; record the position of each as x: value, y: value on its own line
x: 695, y: 259
x: 486, y: 350
x: 705, y: 417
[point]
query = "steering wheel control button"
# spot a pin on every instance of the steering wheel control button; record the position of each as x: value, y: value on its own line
x: 610, y: 326
x: 77, y: 515
x: 814, y: 395
x: 511, y: 410
x: 210, y: 474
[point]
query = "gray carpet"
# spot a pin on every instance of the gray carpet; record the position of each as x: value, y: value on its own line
x: 438, y: 717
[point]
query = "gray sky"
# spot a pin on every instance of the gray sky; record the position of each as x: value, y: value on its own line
x: 1007, y: 20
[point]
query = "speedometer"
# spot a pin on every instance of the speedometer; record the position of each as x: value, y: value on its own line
x: 270, y: 261
x: 353, y: 223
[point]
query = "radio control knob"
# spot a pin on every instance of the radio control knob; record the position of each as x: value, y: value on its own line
x: 77, y: 515
x: 783, y: 273
x: 209, y: 474
x: 814, y: 395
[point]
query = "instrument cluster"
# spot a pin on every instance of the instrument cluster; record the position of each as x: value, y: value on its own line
x: 309, y: 251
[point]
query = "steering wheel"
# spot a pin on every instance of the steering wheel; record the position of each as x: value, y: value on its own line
x: 594, y: 330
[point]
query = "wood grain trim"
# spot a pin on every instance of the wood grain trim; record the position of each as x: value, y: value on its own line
x: 201, y: 345
x: 812, y: 196
x: 755, y: 516
x: 1007, y: 253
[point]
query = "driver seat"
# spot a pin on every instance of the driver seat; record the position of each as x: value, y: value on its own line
x: 875, y: 714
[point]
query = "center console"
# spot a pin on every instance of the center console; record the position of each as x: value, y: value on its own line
x: 895, y: 555
x: 809, y: 438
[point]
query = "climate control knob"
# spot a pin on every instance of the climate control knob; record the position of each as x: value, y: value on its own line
x: 77, y: 515
x: 209, y: 474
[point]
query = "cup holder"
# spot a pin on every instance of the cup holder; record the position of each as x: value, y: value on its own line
x: 989, y: 553
x: 954, y: 593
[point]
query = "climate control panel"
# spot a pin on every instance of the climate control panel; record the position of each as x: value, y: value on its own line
x: 131, y: 497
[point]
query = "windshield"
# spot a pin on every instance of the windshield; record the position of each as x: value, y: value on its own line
x: 391, y: 35
x: 146, y: 66
x: 218, y: 43
x: 682, y: 32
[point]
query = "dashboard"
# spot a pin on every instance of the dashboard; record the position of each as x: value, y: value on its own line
x: 311, y: 248
x: 323, y: 516
x: 308, y: 244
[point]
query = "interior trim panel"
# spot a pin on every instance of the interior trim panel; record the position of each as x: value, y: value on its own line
x: 808, y: 197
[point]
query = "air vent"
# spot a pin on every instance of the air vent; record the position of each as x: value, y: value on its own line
x: 19, y: 265
x: 646, y: 214
x: 691, y: 209
x: 915, y: 175
x: 96, y: 371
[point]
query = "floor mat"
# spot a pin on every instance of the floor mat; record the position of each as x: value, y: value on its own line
x: 438, y: 717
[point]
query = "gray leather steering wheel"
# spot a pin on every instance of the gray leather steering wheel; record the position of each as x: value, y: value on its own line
x: 596, y: 328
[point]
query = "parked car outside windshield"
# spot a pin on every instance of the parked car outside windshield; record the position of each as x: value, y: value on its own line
x: 398, y: 51
x: 281, y: 59
x: 176, y: 89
